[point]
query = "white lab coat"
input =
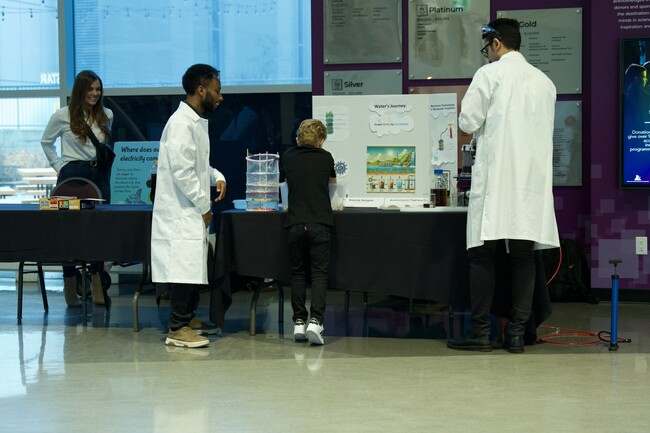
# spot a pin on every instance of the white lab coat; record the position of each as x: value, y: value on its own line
x: 179, y: 242
x: 510, y: 106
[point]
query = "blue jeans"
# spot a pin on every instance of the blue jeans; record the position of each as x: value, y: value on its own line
x: 309, y: 249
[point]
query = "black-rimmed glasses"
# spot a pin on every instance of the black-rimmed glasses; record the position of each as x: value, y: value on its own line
x: 484, y: 50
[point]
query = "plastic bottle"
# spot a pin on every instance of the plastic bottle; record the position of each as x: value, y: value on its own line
x: 440, y: 187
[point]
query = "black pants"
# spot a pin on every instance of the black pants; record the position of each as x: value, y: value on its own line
x: 184, y: 300
x: 309, y: 247
x: 101, y: 178
x: 482, y: 283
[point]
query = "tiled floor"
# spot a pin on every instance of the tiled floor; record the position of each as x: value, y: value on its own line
x: 382, y: 369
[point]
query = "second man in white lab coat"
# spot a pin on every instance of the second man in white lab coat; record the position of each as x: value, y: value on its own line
x: 181, y: 212
x: 509, y: 107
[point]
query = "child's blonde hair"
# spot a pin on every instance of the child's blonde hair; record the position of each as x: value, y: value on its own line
x: 311, y: 132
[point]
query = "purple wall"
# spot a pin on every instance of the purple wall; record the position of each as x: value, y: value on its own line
x: 601, y: 217
x: 617, y: 216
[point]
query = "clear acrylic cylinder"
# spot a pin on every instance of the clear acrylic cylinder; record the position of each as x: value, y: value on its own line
x: 262, y: 182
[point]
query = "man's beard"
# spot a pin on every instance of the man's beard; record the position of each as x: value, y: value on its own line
x: 208, y: 103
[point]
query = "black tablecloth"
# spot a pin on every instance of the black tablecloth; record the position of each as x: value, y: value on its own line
x: 415, y: 255
x: 419, y: 255
x: 108, y: 232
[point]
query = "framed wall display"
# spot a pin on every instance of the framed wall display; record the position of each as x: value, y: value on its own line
x: 383, y: 82
x: 567, y: 144
x: 635, y: 113
x: 445, y: 38
x: 551, y: 40
x: 362, y: 31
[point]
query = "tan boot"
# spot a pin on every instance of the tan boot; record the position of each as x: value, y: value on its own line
x: 70, y: 292
x: 97, y: 290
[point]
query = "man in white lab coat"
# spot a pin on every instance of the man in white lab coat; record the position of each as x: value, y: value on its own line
x: 509, y: 107
x: 181, y: 211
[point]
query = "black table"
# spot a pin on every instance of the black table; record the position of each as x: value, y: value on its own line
x: 414, y: 255
x: 108, y: 232
x: 417, y: 255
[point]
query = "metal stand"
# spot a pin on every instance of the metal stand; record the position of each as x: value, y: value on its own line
x: 613, y: 341
x: 262, y: 285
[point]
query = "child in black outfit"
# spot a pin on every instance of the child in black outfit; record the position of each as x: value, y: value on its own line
x: 309, y: 169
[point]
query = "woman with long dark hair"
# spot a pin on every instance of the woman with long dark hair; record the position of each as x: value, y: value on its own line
x: 84, y: 113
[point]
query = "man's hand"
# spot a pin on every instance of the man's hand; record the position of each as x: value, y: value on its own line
x: 207, y: 217
x: 221, y: 189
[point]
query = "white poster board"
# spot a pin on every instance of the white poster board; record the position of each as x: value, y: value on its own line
x: 131, y: 170
x: 388, y: 146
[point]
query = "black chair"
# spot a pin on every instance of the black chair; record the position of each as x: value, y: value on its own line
x: 79, y: 187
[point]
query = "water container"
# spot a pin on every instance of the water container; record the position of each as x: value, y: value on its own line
x: 338, y: 192
x: 262, y: 182
x: 440, y: 187
x: 284, y: 195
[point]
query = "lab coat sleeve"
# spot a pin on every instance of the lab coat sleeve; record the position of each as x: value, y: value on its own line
x: 216, y: 176
x: 475, y: 104
x: 182, y: 154
x: 53, y: 130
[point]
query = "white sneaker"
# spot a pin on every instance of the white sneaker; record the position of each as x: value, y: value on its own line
x: 299, y: 330
x: 315, y: 332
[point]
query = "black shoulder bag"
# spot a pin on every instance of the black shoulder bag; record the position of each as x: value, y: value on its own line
x: 105, y: 153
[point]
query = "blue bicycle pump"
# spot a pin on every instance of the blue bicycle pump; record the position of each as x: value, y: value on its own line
x: 613, y: 341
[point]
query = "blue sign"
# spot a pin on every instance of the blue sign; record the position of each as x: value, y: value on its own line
x: 132, y: 168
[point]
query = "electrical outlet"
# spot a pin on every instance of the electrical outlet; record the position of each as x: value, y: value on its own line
x: 641, y: 245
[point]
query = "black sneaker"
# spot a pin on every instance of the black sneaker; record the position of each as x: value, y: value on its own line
x: 204, y: 328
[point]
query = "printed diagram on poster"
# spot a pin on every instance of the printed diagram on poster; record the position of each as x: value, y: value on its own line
x: 444, y: 149
x: 389, y: 145
x: 337, y: 123
x: 341, y: 168
x: 390, y: 169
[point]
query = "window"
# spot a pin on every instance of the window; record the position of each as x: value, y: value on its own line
x: 141, y: 50
x: 151, y: 43
x: 22, y: 121
x: 29, y: 45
